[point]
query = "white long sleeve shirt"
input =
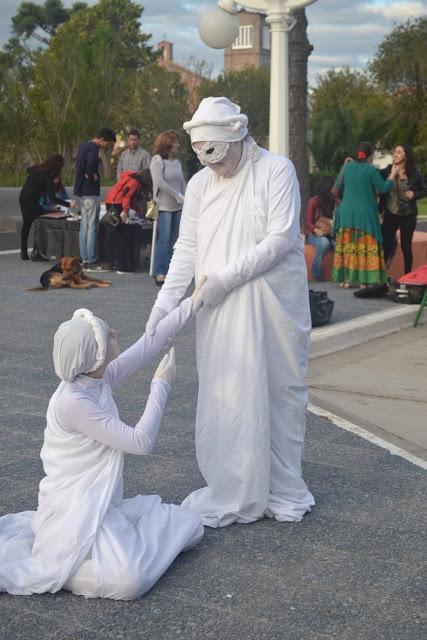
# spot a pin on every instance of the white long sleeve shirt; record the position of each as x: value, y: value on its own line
x: 87, y: 404
x: 168, y: 183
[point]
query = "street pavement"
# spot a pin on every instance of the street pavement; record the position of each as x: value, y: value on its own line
x: 379, y: 385
x: 352, y: 570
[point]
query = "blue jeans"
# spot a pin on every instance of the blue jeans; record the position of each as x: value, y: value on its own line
x: 167, y: 235
x: 322, y: 244
x: 89, y: 209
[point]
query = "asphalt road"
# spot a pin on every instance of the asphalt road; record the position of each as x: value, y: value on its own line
x: 352, y: 570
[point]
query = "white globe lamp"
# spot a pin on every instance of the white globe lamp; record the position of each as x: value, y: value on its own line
x: 218, y: 28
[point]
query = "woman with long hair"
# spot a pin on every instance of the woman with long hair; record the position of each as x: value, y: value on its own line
x: 168, y: 190
x: 40, y: 182
x: 399, y: 205
x: 359, y: 256
x: 318, y: 223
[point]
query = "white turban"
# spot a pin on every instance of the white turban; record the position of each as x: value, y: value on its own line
x: 217, y: 120
x: 80, y: 345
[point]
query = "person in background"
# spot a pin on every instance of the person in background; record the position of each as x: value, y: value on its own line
x: 318, y: 223
x: 132, y: 191
x: 40, y: 180
x: 168, y: 188
x: 60, y: 191
x: 88, y: 188
x: 399, y: 205
x: 134, y: 158
x: 359, y: 256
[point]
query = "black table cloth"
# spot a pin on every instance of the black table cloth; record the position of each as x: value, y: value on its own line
x: 58, y: 237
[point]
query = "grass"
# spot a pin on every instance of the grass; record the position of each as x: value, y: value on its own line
x: 422, y: 208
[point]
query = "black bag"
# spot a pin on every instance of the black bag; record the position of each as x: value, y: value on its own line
x: 321, y: 307
x: 111, y: 218
x: 406, y: 293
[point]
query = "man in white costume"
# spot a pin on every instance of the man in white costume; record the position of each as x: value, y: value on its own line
x: 84, y: 537
x: 240, y: 227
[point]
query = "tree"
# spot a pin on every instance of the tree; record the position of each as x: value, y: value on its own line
x: 401, y: 59
x: 33, y: 18
x: 250, y: 88
x: 85, y: 77
x: 299, y: 51
x: 400, y: 68
x: 345, y: 109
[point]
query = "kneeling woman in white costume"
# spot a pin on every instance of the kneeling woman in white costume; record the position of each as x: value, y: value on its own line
x: 84, y: 537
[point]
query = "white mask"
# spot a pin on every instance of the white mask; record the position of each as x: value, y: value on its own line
x: 212, y: 152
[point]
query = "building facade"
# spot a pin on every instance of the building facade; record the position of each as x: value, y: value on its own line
x: 252, y: 46
x: 188, y: 78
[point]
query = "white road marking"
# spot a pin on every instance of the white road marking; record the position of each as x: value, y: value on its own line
x: 366, y: 435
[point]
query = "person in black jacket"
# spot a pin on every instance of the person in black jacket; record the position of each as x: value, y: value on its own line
x: 88, y: 188
x: 399, y: 205
x: 40, y: 181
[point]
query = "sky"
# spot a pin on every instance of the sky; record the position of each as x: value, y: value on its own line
x: 342, y: 32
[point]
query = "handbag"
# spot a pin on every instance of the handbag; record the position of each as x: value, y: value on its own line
x: 324, y: 225
x: 321, y: 307
x: 152, y: 206
x: 111, y: 218
x: 152, y: 210
x: 405, y: 208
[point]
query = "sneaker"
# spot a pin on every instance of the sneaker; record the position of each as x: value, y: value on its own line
x: 94, y: 266
x: 125, y: 273
x: 85, y: 265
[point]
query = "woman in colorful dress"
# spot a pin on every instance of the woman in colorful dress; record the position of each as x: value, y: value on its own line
x: 359, y: 256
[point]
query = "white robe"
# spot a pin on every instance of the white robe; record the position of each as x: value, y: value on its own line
x: 84, y: 536
x: 252, y: 349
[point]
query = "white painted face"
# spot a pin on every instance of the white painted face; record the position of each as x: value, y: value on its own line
x: 225, y: 166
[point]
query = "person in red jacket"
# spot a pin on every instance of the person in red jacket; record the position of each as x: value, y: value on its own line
x: 320, y: 209
x: 132, y: 191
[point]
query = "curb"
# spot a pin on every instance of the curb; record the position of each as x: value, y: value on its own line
x: 342, y: 335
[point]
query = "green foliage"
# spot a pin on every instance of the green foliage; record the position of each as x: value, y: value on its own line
x: 32, y: 18
x: 250, y: 88
x: 96, y: 70
x: 345, y: 109
x: 400, y: 68
x: 401, y: 58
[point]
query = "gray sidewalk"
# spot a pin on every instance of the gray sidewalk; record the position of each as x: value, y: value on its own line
x: 352, y: 570
x: 380, y: 385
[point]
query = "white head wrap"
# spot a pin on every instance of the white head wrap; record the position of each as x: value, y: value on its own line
x: 219, y: 120
x: 80, y: 345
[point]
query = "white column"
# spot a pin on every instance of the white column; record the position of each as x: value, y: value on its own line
x: 279, y: 24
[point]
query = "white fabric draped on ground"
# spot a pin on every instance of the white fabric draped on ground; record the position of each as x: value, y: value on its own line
x: 252, y: 349
x: 84, y: 535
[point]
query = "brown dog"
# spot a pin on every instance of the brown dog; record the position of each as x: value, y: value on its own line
x: 68, y: 273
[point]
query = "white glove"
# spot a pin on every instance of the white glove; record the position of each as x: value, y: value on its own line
x: 167, y: 368
x: 156, y: 315
x: 211, y: 293
x: 198, y: 288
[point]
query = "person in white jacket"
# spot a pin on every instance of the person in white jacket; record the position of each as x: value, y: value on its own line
x: 240, y: 228
x: 85, y: 537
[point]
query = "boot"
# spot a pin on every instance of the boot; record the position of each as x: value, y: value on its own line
x: 24, y: 254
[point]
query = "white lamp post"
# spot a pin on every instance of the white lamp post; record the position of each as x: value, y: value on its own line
x: 220, y: 27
